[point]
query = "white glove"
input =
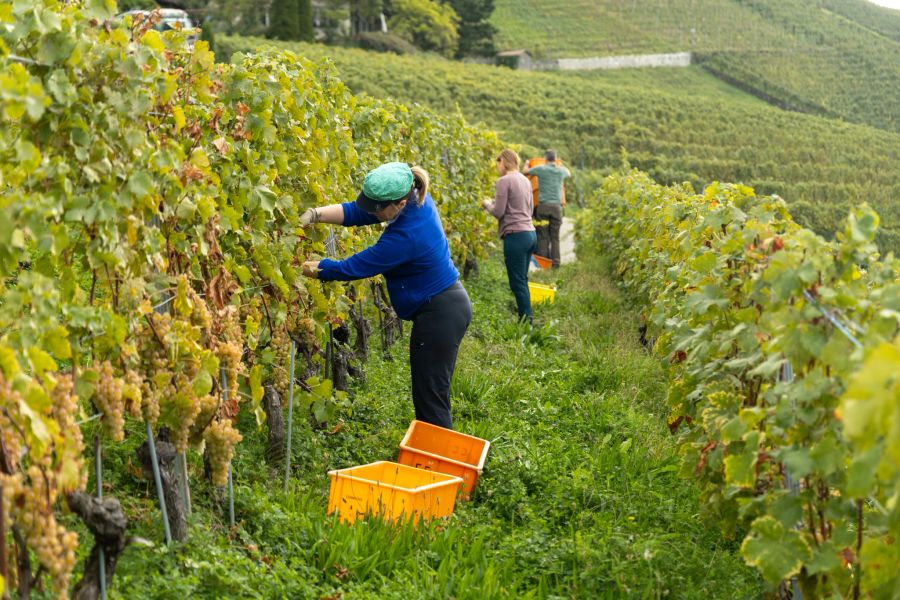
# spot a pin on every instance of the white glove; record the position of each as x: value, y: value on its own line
x: 309, y: 217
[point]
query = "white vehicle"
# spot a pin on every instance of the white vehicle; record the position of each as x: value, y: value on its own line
x: 169, y: 18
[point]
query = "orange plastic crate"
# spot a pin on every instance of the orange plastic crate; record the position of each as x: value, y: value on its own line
x: 391, y: 491
x: 434, y: 448
x: 543, y: 262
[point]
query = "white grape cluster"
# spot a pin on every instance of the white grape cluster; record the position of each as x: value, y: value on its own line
x: 170, y: 344
x: 109, y: 400
x: 132, y: 392
x: 229, y: 348
x: 187, y: 407
x: 209, y: 405
x: 31, y: 492
x: 33, y: 499
x: 281, y: 344
x: 200, y: 316
x: 28, y: 501
x: 307, y: 334
x: 251, y: 316
x: 10, y: 417
x: 149, y: 402
x: 220, y: 438
x: 70, y: 450
x: 154, y: 355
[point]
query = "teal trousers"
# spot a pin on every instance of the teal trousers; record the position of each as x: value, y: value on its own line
x: 517, y: 250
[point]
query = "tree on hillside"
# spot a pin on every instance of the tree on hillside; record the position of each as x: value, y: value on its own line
x: 365, y: 15
x: 305, y: 20
x: 476, y: 34
x: 427, y: 24
x: 285, y: 24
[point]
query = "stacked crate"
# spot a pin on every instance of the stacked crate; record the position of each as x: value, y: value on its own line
x: 434, y: 466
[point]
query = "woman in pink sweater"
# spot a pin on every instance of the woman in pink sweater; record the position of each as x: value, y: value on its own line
x: 512, y: 206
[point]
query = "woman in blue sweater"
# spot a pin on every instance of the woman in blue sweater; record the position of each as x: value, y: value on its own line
x: 414, y: 257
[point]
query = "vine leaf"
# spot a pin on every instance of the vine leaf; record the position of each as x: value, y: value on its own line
x: 739, y: 469
x: 777, y: 552
x: 825, y: 558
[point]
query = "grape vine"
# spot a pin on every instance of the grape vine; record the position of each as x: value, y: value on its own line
x: 736, y: 296
x: 151, y: 237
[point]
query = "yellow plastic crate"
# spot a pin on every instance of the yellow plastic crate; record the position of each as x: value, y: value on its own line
x: 427, y: 446
x: 541, y: 293
x: 391, y: 491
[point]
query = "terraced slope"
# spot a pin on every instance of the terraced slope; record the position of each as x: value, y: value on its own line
x: 599, y: 27
x: 678, y: 126
x: 832, y: 57
x: 569, y: 28
x: 878, y: 19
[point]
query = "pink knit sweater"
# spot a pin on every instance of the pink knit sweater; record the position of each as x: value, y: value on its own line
x: 512, y: 204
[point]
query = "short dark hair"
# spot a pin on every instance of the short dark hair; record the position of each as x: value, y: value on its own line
x: 550, y: 156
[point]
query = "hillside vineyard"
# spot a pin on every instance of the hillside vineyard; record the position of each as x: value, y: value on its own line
x: 684, y: 130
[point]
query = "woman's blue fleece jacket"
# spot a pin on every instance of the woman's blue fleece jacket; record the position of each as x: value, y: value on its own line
x: 412, y: 253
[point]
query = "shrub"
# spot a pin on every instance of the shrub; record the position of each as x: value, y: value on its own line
x: 427, y: 24
x: 384, y: 42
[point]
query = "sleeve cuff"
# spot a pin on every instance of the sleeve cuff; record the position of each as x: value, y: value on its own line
x: 326, y: 269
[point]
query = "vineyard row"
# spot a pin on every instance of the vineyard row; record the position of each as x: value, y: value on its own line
x: 151, y: 247
x: 782, y: 350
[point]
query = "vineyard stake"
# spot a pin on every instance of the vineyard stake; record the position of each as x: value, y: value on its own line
x: 287, y: 454
x: 98, y: 472
x: 840, y: 326
x: 185, y: 484
x: 223, y: 378
x: 151, y: 444
x: 230, y: 498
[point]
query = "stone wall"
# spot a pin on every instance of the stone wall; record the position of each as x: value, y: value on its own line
x: 678, y: 59
x: 635, y: 61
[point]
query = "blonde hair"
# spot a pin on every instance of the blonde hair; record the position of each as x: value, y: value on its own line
x: 420, y: 183
x: 509, y: 159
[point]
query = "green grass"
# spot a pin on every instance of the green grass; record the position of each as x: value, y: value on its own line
x: 579, y: 498
x: 677, y: 125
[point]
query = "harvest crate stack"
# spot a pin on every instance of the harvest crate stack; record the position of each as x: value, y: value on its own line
x: 434, y: 466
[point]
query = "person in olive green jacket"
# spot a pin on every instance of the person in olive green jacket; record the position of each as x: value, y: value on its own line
x: 549, y: 208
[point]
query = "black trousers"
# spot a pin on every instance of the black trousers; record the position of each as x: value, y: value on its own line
x: 438, y: 328
x: 548, y: 235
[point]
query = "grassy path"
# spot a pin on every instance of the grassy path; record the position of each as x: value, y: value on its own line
x: 579, y: 498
